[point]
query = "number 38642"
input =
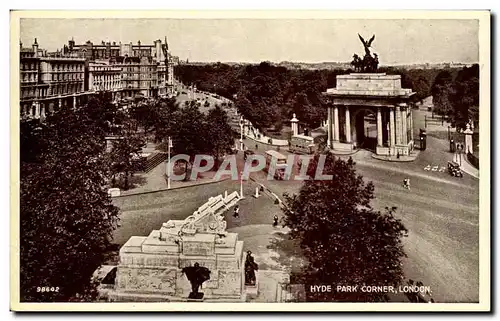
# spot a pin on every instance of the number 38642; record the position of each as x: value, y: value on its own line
x: 47, y: 289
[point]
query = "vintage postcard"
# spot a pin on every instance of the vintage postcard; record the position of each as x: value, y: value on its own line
x: 250, y: 161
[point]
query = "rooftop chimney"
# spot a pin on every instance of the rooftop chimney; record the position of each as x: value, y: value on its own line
x: 35, y: 48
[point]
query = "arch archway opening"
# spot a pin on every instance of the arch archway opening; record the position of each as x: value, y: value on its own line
x: 366, y: 129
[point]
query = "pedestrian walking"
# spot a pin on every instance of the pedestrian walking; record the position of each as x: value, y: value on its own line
x: 406, y: 183
x: 275, y: 223
x: 236, y: 211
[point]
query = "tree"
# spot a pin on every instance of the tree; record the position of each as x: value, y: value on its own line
x: 344, y: 239
x: 457, y: 95
x: 220, y: 132
x: 125, y: 155
x: 166, y: 113
x: 466, y: 96
x: 66, y: 215
x: 158, y: 117
x: 443, y: 99
x: 267, y: 94
x: 190, y: 136
x: 144, y: 116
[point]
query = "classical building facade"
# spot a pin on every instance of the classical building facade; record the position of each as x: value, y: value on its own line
x: 105, y: 77
x: 363, y: 94
x: 49, y: 81
x: 139, y: 76
x: 67, y: 77
x: 147, y: 70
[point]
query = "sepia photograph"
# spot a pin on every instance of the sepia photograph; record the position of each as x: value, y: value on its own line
x: 250, y: 161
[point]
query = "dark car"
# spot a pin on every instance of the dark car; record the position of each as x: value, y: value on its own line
x: 247, y: 152
x: 454, y: 169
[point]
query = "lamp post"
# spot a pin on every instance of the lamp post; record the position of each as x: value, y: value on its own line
x: 449, y: 134
x: 169, y: 167
x: 460, y: 154
x: 241, y: 133
x: 241, y: 185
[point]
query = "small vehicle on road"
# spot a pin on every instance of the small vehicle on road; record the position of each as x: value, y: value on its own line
x: 454, y: 169
x: 302, y: 144
x: 280, y: 162
x: 247, y: 153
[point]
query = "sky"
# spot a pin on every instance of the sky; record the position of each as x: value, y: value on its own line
x: 401, y: 41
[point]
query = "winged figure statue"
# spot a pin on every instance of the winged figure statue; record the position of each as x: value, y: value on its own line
x: 367, y: 44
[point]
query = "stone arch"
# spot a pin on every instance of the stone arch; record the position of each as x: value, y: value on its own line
x: 364, y: 127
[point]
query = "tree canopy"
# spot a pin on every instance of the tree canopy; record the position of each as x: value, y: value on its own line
x: 66, y: 216
x: 345, y: 240
x: 456, y: 95
x: 220, y: 132
x: 268, y: 95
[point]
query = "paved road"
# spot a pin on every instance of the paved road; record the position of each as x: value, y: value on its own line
x: 142, y: 213
x: 442, y: 215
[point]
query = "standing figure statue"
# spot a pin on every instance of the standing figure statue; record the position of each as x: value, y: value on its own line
x: 196, y: 275
x: 250, y: 268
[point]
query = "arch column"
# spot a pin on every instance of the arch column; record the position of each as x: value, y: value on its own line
x: 404, y: 117
x: 379, y: 127
x: 329, y: 126
x: 398, y: 125
x: 410, y: 123
x: 347, y: 125
x: 392, y: 134
x: 336, y: 123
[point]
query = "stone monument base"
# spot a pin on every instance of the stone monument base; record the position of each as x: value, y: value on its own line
x: 342, y: 147
x: 196, y: 296
x: 158, y: 267
x: 117, y: 296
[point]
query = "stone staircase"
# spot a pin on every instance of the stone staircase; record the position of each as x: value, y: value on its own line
x: 155, y: 159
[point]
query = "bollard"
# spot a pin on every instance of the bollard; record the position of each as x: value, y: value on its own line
x: 257, y: 192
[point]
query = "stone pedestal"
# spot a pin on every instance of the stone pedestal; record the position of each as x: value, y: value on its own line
x: 295, y: 125
x: 468, y: 140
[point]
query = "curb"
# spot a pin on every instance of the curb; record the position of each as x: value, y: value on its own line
x: 268, y: 190
x: 258, y: 141
x: 466, y: 171
x: 393, y: 160
x: 174, y: 188
x: 335, y: 153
